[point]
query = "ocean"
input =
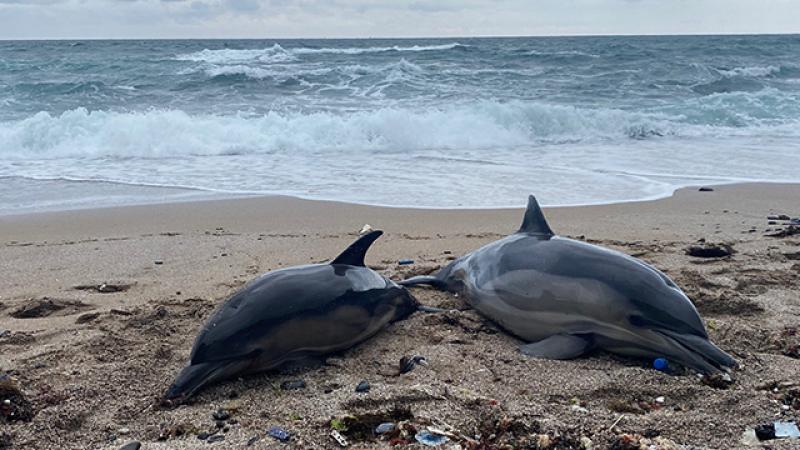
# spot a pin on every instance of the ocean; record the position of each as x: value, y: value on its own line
x: 445, y: 123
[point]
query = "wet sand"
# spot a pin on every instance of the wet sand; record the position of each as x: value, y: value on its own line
x: 93, y: 361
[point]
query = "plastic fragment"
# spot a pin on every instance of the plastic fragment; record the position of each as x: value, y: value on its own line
x: 430, y: 439
x: 279, y: 434
x: 339, y: 438
x: 405, y: 262
x: 386, y: 427
x: 661, y: 364
x: 786, y: 430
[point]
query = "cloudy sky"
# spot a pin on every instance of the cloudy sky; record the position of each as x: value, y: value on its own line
x: 31, y: 19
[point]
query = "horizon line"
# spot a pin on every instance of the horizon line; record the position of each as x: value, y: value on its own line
x: 487, y: 36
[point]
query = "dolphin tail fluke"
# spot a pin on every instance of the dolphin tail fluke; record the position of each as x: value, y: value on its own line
x: 193, y: 378
x: 424, y: 279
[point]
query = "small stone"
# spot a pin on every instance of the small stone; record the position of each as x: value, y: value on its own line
x: 765, y: 432
x: 158, y: 262
x: 215, y: 438
x: 706, y: 189
x: 363, y: 386
x: 710, y: 250
x: 405, y: 262
x: 221, y: 414
x: 203, y: 436
x: 586, y: 443
x: 133, y: 445
x: 660, y: 400
x: 252, y: 440
x: 292, y: 385
x: 407, y: 363
x: 124, y: 431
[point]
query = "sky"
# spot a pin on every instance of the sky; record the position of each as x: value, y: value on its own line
x: 99, y: 19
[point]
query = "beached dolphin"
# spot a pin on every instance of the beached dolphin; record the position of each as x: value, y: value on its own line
x: 291, y: 315
x: 568, y: 297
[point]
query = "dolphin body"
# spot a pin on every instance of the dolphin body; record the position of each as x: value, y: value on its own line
x: 568, y: 297
x: 292, y: 315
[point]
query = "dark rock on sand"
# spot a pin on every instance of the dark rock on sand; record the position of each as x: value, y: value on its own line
x: 14, y: 406
x: 221, y: 414
x: 710, y: 250
x: 706, y: 189
x: 215, y: 438
x: 363, y: 386
x: 791, y: 230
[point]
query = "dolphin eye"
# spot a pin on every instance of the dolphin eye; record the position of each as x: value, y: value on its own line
x: 637, y: 321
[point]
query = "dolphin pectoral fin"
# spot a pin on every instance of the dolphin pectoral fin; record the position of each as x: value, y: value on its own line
x: 559, y: 346
x: 424, y: 279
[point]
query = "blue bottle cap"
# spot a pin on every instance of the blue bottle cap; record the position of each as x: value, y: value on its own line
x: 660, y: 364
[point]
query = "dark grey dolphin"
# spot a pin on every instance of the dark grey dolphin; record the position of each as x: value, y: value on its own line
x: 291, y: 315
x: 568, y: 297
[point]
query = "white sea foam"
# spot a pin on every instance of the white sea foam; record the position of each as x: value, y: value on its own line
x: 751, y: 71
x: 277, y: 53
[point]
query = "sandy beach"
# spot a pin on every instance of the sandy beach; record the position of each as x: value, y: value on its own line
x: 99, y: 309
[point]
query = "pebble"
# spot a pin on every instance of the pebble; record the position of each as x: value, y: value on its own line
x: 133, y: 445
x: 215, y: 438
x: 221, y: 414
x: 158, y: 262
x: 363, y: 386
x: 124, y: 431
x: 293, y: 384
x: 405, y: 262
x: 203, y: 436
x: 706, y: 189
x: 252, y: 440
x: 408, y: 363
x: 430, y: 439
x: 660, y: 400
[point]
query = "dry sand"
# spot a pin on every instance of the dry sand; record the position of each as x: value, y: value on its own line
x: 94, y: 363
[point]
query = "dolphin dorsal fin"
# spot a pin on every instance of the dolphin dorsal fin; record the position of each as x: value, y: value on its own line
x: 534, y: 221
x: 354, y: 254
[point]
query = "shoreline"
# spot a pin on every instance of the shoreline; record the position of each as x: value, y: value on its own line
x: 93, y: 363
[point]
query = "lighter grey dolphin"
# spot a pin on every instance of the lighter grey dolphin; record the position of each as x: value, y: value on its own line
x: 568, y: 297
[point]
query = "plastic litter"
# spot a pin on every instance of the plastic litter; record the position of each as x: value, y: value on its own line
x: 386, y: 427
x: 661, y: 364
x: 786, y: 430
x: 405, y: 262
x: 279, y: 434
x: 407, y: 363
x: 339, y: 438
x: 365, y: 229
x: 430, y: 439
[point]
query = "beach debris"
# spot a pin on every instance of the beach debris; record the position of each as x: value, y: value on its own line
x: 791, y: 230
x: 103, y: 288
x: 86, y: 318
x: 221, y: 414
x: 215, y: 438
x: 253, y: 440
x: 786, y: 430
x: 430, y: 439
x: 158, y: 262
x: 405, y: 262
x: 46, y: 306
x: 292, y: 385
x: 385, y: 427
x: 279, y: 434
x: 365, y: 229
x: 363, y: 386
x: 133, y: 445
x: 706, y: 250
x: 124, y: 431
x: 339, y: 438
x: 203, y: 435
x: 407, y: 363
x: 706, y: 189
x: 661, y: 365
x: 718, y: 380
x: 14, y: 406
x: 778, y: 217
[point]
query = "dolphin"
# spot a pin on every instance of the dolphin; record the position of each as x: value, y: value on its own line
x: 292, y: 315
x: 566, y: 297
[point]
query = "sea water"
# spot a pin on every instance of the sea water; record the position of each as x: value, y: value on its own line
x: 403, y: 122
